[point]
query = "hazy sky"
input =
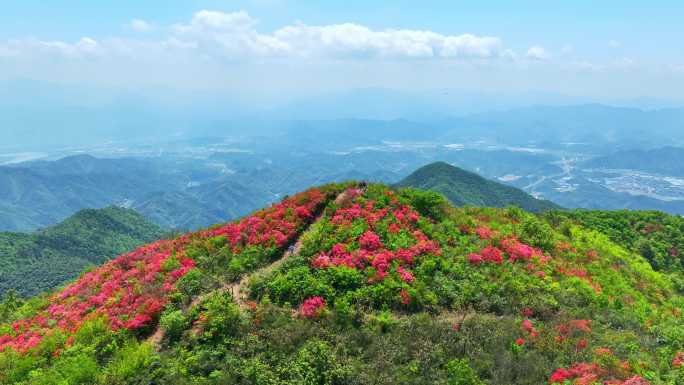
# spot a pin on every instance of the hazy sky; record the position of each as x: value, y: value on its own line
x: 591, y: 48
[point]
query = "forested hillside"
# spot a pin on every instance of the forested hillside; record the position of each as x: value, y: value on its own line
x: 33, y: 263
x: 657, y: 236
x: 356, y: 284
x: 464, y: 188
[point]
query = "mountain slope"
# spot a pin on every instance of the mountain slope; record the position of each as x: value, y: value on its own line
x: 352, y: 284
x: 464, y: 188
x: 33, y: 263
x: 41, y: 193
x: 656, y: 236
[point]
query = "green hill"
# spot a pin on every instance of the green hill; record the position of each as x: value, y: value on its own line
x: 363, y: 284
x: 33, y: 263
x: 464, y: 188
x: 657, y: 236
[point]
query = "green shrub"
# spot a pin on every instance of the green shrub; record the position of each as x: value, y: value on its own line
x: 460, y: 373
x: 174, y: 323
x: 131, y: 360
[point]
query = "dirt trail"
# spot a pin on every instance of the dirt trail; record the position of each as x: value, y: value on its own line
x: 238, y: 289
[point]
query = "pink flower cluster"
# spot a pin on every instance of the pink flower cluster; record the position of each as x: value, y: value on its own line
x: 590, y: 373
x: 573, y: 327
x: 581, y: 274
x: 484, y: 232
x: 678, y: 360
x: 369, y: 249
x: 312, y: 307
x: 129, y: 292
x: 275, y: 226
x: 516, y: 250
x: 529, y: 328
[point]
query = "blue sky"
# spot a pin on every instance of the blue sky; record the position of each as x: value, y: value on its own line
x: 590, y: 48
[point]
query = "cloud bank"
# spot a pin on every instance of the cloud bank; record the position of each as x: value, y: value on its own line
x: 235, y: 36
x: 230, y: 51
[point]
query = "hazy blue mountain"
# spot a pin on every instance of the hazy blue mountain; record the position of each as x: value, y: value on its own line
x: 593, y: 125
x: 43, y: 115
x: 48, y: 192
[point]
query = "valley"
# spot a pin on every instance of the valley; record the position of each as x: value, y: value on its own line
x: 222, y: 178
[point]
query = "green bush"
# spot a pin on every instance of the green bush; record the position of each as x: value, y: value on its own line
x: 460, y: 373
x: 131, y: 360
x: 174, y: 323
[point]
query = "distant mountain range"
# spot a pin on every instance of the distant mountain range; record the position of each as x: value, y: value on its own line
x: 192, y: 184
x: 175, y: 192
x: 41, y: 193
x: 33, y: 263
x: 464, y: 188
x: 36, y: 115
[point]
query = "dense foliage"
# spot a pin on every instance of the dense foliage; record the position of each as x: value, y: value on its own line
x: 33, y: 263
x: 360, y: 285
x: 657, y: 236
x: 464, y: 188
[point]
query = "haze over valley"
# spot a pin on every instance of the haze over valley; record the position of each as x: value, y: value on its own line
x: 239, y: 166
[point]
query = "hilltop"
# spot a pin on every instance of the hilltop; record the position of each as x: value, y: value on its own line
x: 32, y: 263
x: 356, y: 284
x: 464, y: 188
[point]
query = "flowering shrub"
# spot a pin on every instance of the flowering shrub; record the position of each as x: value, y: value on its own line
x: 312, y: 307
x: 129, y: 291
x: 590, y: 373
x: 484, y: 232
x: 678, y: 360
x: 492, y: 254
x: 372, y: 251
x: 529, y: 328
x: 275, y: 226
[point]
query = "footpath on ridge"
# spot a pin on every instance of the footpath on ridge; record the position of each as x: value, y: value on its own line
x: 239, y: 289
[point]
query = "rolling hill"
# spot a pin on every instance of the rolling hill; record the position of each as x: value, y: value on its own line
x: 41, y: 193
x: 36, y: 262
x: 360, y: 284
x: 464, y: 188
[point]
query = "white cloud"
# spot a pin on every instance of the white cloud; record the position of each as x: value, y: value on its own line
x: 584, y: 66
x: 510, y: 55
x: 614, y: 44
x: 228, y: 34
x: 537, y: 53
x: 83, y: 47
x: 624, y: 63
x: 139, y: 25
x: 236, y: 34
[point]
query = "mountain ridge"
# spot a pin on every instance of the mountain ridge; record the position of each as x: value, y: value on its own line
x: 387, y: 286
x: 463, y: 188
